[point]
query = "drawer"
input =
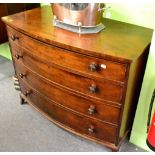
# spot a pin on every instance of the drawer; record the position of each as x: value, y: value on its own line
x: 81, y: 104
x: 105, y: 89
x: 82, y: 64
x: 88, y: 127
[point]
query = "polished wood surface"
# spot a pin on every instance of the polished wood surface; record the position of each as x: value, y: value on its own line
x: 93, y: 88
x: 105, y: 111
x: 11, y: 8
x: 69, y: 60
x: 98, y: 141
x: 76, y: 122
x: 86, y: 84
x: 106, y: 44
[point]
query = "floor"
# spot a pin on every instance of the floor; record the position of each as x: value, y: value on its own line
x: 22, y: 129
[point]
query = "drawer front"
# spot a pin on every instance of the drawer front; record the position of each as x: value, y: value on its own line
x: 91, y: 108
x: 105, y: 89
x: 98, y: 68
x: 82, y: 125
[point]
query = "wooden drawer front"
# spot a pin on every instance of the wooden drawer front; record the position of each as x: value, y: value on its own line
x: 91, y: 108
x: 82, y: 125
x: 105, y: 89
x: 70, y: 61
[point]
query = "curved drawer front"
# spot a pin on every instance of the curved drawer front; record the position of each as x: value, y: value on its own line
x: 91, y: 108
x: 105, y: 89
x: 98, y: 68
x: 82, y: 125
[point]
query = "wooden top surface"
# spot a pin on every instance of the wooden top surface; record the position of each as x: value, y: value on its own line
x: 119, y: 41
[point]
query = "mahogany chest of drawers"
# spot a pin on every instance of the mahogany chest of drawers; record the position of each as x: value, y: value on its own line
x: 86, y: 84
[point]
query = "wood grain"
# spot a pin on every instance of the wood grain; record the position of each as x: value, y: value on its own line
x: 72, y: 81
x: 63, y: 74
x: 78, y: 123
x: 133, y: 39
x: 104, y: 111
x: 69, y: 60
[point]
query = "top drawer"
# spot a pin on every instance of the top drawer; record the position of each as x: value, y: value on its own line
x: 72, y: 61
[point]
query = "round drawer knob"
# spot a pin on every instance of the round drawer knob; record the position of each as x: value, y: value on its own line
x: 18, y: 56
x: 14, y: 37
x: 27, y: 93
x: 93, y: 88
x: 22, y: 75
x: 91, y: 110
x: 91, y: 129
x: 93, y: 67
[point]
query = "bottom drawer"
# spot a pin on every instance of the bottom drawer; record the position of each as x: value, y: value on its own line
x: 85, y: 126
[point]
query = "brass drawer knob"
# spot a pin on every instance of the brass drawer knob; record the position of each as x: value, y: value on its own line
x: 18, y: 56
x: 93, y: 67
x: 91, y: 129
x: 91, y: 110
x: 22, y: 75
x: 27, y: 93
x: 14, y: 37
x: 93, y: 88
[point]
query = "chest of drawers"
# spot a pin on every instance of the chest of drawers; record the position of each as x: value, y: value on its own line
x: 86, y: 84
